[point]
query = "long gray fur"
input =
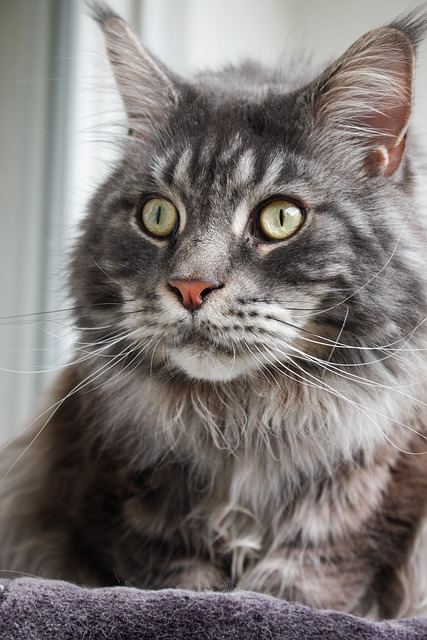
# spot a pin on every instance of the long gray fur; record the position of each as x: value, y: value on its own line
x: 266, y: 431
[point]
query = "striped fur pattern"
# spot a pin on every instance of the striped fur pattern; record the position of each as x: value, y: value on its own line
x: 272, y: 437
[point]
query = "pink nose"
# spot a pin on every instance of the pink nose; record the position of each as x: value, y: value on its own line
x: 192, y: 293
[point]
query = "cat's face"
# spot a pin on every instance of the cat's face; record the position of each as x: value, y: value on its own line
x: 226, y: 285
x: 246, y: 232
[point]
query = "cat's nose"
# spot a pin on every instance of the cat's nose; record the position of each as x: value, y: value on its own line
x: 192, y: 293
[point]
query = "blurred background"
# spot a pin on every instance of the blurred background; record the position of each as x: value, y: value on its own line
x: 57, y: 101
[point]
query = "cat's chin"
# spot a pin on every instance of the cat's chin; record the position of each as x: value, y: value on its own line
x: 210, y: 366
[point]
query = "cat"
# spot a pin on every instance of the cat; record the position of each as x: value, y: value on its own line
x: 245, y: 407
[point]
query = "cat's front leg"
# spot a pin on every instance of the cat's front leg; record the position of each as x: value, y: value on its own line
x: 316, y: 582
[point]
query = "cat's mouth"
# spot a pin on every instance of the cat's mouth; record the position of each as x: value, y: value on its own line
x: 203, y: 341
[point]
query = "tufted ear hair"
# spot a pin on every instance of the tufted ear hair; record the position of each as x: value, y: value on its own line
x: 366, y: 96
x: 147, y: 92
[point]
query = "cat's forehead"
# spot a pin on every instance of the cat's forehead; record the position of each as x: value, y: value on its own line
x: 217, y: 168
x: 188, y: 160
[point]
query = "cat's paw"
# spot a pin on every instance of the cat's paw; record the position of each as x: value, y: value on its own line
x: 197, y: 575
x: 273, y: 576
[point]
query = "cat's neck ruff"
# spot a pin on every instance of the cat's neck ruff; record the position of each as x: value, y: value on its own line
x: 301, y: 428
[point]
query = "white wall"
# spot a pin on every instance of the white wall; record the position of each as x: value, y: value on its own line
x: 56, y: 101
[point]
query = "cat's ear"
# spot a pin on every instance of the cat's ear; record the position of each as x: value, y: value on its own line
x: 147, y: 92
x: 365, y: 98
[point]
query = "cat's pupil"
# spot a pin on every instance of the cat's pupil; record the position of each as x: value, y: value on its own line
x: 281, y: 217
x: 158, y: 215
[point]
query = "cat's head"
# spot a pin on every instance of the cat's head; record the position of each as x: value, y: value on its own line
x: 253, y: 225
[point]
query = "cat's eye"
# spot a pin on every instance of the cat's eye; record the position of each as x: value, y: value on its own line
x: 160, y: 217
x: 279, y: 219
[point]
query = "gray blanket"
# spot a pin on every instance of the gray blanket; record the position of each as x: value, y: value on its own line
x: 35, y: 609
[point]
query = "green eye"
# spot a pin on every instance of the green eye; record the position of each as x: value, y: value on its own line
x: 280, y: 219
x: 160, y: 217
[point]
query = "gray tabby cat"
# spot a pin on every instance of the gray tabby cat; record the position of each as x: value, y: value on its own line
x: 246, y: 403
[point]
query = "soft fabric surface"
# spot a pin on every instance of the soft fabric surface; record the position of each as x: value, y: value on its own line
x: 33, y: 609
